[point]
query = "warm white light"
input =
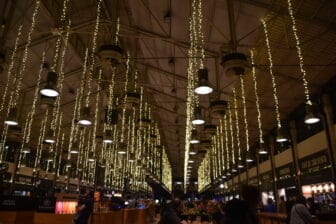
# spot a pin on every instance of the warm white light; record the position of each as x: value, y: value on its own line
x: 50, y: 141
x: 312, y: 120
x: 262, y: 152
x: 191, y: 161
x: 194, y: 141
x: 203, y: 90
x: 107, y: 141
x: 49, y: 92
x: 121, y: 152
x: 91, y: 159
x: 11, y: 123
x: 192, y: 153
x: 74, y: 151
x: 84, y: 122
x: 249, y: 160
x: 281, y: 139
x: 198, y: 122
x: 26, y: 150
x: 240, y: 166
x: 221, y: 186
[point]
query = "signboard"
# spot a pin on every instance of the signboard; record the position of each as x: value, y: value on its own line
x: 315, y: 168
x: 285, y: 172
x: 314, y: 162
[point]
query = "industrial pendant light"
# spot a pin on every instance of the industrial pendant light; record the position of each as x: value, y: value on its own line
x: 108, y: 139
x: 203, y: 87
x: 240, y: 164
x: 50, y: 89
x: 192, y: 151
x: 281, y: 135
x: 85, y: 117
x: 26, y: 150
x: 311, y: 117
x: 198, y: 120
x: 193, y: 137
x: 249, y: 157
x: 50, y: 138
x: 91, y: 157
x: 74, y: 148
x: 262, y: 150
x: 12, y: 120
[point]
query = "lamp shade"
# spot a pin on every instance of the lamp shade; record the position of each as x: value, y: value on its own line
x: 198, y: 119
x: 311, y: 116
x: 262, y: 150
x: 193, y: 137
x: 50, y: 89
x: 108, y: 138
x: 12, y: 120
x: 240, y: 164
x: 203, y: 86
x: 85, y: 118
x: 74, y: 148
x: 50, y: 138
x: 249, y: 157
x: 91, y: 157
x: 281, y: 135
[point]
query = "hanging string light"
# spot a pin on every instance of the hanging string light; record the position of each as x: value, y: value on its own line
x: 233, y: 161
x: 10, y: 68
x: 311, y: 118
x: 249, y: 157
x: 281, y: 136
x: 261, y: 149
x: 237, y: 122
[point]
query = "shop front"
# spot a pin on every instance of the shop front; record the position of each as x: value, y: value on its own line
x: 266, y: 187
x: 316, y: 177
x: 286, y: 181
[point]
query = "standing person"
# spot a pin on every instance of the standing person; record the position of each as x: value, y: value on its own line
x: 300, y: 213
x: 282, y: 205
x: 84, y: 208
x: 270, y: 207
x: 169, y: 214
x: 251, y: 197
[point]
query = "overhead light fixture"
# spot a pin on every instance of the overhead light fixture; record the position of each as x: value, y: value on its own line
x: 91, y: 157
x: 121, y: 151
x: 311, y: 117
x: 85, y: 117
x: 262, y: 150
x: 50, y: 89
x: 108, y: 139
x: 281, y: 135
x: 193, y: 137
x: 198, y: 120
x: 74, y: 148
x: 203, y: 87
x: 192, y: 150
x: 221, y: 186
x: 132, y: 157
x: 50, y: 138
x: 26, y: 150
x: 49, y: 159
x: 249, y: 157
x: 191, y: 161
x: 12, y: 120
x: 240, y: 165
x: 68, y: 164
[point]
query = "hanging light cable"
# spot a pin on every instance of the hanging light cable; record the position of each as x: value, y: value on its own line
x: 240, y: 165
x: 281, y: 137
x: 310, y: 118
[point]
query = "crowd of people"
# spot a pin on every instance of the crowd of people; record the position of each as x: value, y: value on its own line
x: 298, y: 209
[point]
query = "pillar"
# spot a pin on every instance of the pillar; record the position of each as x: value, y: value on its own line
x: 272, y: 160
x: 294, y: 150
x: 328, y: 118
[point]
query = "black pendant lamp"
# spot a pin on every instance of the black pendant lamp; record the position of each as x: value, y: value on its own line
x: 262, y: 150
x: 311, y: 116
x: 240, y: 164
x: 85, y: 118
x: 50, y: 89
x: 249, y: 157
x: 281, y: 135
x: 74, y: 148
x: 50, y: 138
x: 203, y: 86
x: 108, y: 138
x: 193, y: 138
x: 198, y: 119
x: 12, y: 120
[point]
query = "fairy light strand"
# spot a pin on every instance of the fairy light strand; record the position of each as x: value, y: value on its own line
x: 257, y: 97
x: 94, y: 46
x: 17, y: 85
x: 10, y: 68
x: 237, y: 122
x: 276, y: 100
x: 245, y: 114
x: 299, y: 52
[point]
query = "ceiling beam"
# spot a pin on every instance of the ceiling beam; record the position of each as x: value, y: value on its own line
x: 305, y: 17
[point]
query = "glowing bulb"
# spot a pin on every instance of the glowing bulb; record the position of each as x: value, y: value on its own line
x: 203, y: 90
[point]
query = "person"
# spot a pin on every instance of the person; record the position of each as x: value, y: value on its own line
x: 251, y: 197
x: 84, y: 208
x: 300, y: 213
x: 236, y: 211
x: 289, y: 205
x: 282, y: 205
x: 313, y: 207
x: 270, y: 207
x: 169, y: 213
